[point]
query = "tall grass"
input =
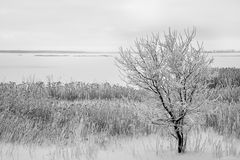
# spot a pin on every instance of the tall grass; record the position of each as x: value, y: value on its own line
x: 72, y: 91
x: 224, y: 77
x: 223, y: 118
x: 38, y: 112
x: 79, y: 91
x: 47, y: 121
x: 61, y: 113
x: 225, y: 95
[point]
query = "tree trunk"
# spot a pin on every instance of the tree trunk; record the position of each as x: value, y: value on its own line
x: 180, y: 138
x: 181, y: 148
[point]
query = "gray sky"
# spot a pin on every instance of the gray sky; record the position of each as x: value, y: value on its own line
x: 105, y: 25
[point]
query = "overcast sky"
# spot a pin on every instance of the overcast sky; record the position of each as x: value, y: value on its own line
x: 105, y: 25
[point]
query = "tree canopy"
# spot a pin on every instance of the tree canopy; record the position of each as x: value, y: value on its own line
x: 174, y: 70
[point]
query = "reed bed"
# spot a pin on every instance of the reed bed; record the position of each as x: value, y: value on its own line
x: 42, y: 120
x: 223, y: 118
x: 59, y: 113
x: 62, y: 113
x: 73, y: 91
x: 225, y: 95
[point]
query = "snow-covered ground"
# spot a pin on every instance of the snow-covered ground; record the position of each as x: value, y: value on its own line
x: 201, y: 145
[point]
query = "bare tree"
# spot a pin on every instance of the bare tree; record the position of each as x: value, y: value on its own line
x: 175, y: 71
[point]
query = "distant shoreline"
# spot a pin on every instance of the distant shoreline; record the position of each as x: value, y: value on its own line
x: 223, y: 51
x: 91, y: 52
x: 53, y: 51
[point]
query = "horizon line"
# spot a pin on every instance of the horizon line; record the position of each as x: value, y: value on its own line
x: 52, y: 51
x: 82, y: 51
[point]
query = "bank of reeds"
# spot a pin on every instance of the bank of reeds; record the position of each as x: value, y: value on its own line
x: 41, y: 120
x: 223, y: 118
x: 72, y: 91
x: 61, y: 113
x: 225, y: 95
x: 38, y: 112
